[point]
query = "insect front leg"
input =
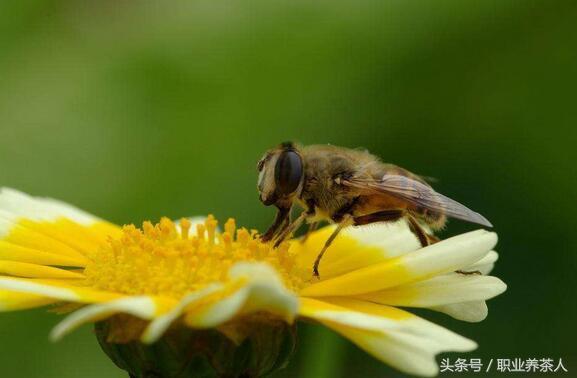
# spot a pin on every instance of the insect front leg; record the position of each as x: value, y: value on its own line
x: 280, y: 223
x: 291, y: 228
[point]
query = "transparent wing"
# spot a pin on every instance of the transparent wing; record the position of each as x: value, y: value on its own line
x: 418, y: 194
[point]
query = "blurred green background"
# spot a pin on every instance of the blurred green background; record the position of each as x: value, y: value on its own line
x: 134, y: 110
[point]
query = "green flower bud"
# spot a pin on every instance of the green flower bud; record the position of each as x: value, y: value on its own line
x: 253, y: 346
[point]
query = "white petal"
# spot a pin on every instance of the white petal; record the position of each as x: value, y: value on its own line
x: 263, y: 291
x: 15, y: 204
x: 485, y: 265
x: 30, y: 287
x: 143, y: 307
x: 443, y: 257
x: 475, y: 311
x: 453, y: 253
x: 324, y: 311
x: 158, y: 326
x: 371, y: 244
x: 51, y: 289
x: 411, y: 346
x: 441, y: 290
x: 407, y: 352
x: 394, y: 239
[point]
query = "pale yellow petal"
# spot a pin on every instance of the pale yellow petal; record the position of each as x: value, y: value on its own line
x: 57, y: 290
x: 410, y: 346
x: 485, y: 265
x: 324, y: 311
x: 443, y: 257
x: 355, y: 247
x: 260, y: 289
x: 22, y: 205
x: 158, y: 326
x: 473, y: 312
x: 144, y: 307
x: 441, y: 290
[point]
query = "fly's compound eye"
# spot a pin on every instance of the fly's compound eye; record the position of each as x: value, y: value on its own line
x: 288, y: 172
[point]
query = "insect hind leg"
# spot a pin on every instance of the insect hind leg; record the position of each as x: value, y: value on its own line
x: 394, y: 215
x: 418, y: 231
x: 379, y: 216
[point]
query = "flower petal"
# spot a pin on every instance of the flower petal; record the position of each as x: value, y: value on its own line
x: 443, y: 257
x: 143, y: 307
x: 441, y: 290
x: 12, y: 301
x: 261, y: 290
x: 50, y: 289
x: 24, y: 233
x: 50, y: 226
x: 325, y: 311
x: 411, y: 346
x: 485, y: 265
x: 20, y: 269
x: 371, y: 244
x: 21, y: 205
x: 158, y: 326
x: 473, y: 312
x: 15, y: 252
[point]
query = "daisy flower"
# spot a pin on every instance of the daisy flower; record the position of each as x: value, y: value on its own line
x: 230, y: 301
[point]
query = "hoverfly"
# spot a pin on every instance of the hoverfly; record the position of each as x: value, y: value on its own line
x: 349, y: 187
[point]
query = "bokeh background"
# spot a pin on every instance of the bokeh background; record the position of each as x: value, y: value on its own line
x: 135, y: 110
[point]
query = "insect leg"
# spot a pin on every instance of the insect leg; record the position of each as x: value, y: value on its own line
x: 379, y: 216
x: 394, y: 215
x: 312, y: 227
x: 433, y: 239
x: 347, y: 209
x: 291, y: 228
x: 472, y: 273
x: 418, y: 231
x: 280, y: 222
x: 346, y: 221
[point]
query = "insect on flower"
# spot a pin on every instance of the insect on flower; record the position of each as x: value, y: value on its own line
x: 349, y: 187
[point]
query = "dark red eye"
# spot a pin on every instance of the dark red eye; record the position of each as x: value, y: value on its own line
x: 288, y: 172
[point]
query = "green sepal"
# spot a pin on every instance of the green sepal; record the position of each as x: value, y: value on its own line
x: 260, y: 346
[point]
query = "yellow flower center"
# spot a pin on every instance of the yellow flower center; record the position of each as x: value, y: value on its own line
x: 170, y: 260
